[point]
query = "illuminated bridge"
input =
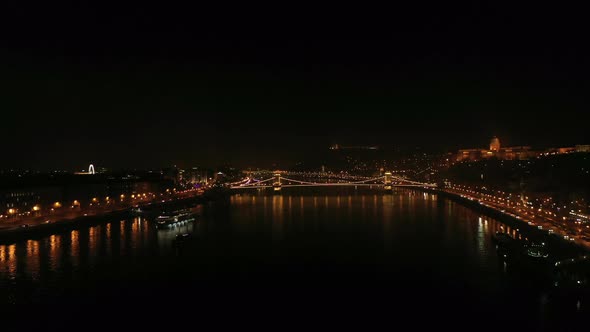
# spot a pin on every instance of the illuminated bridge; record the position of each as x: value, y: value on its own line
x: 280, y: 180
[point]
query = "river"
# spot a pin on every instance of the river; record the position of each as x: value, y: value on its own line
x: 407, y: 248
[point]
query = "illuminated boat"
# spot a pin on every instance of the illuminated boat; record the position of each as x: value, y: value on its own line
x: 174, y: 218
x: 537, y: 250
x: 138, y: 211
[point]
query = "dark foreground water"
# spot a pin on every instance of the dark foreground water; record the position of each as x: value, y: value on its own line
x: 404, y: 257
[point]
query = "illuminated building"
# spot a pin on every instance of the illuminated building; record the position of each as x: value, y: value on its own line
x: 495, y: 144
x: 18, y: 200
x: 496, y: 151
x: 514, y: 152
x: 197, y: 175
x: 470, y: 154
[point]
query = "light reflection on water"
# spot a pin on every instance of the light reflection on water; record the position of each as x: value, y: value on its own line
x: 84, y: 247
x: 418, y: 231
x: 58, y: 255
x: 75, y: 247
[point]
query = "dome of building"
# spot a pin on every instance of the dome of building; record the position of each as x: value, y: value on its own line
x: 495, y: 144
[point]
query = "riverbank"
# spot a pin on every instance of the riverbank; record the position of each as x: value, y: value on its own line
x: 17, y: 233
x: 514, y: 221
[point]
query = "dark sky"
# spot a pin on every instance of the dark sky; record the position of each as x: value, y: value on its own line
x: 155, y: 84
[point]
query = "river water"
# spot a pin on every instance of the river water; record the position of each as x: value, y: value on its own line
x: 409, y: 251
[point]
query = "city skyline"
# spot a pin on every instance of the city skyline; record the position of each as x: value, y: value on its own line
x: 392, y: 154
x: 203, y: 92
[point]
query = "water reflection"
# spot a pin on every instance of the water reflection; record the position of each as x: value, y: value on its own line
x: 277, y: 217
x: 165, y: 237
x: 33, y: 261
x: 388, y: 216
x: 54, y: 251
x: 481, y: 235
x: 8, y: 261
x: 107, y: 241
x: 93, y: 238
x: 75, y: 247
x: 59, y: 255
x: 401, y: 230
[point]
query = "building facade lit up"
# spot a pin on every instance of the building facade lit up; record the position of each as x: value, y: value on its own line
x: 513, y: 152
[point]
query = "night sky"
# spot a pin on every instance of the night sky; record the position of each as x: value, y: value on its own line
x: 155, y: 85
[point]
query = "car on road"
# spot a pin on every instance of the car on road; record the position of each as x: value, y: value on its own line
x: 24, y: 225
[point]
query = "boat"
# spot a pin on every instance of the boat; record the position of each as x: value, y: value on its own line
x: 174, y: 218
x: 537, y: 250
x: 137, y: 211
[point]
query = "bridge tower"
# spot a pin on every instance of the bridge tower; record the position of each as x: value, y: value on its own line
x: 277, y: 182
x: 387, y: 181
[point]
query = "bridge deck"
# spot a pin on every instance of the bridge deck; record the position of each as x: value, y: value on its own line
x: 334, y: 185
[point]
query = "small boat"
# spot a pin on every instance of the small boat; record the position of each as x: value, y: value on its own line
x: 537, y: 250
x: 174, y: 218
x: 137, y: 211
x: 142, y: 211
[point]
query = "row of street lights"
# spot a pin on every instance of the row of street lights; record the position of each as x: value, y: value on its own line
x: 13, y: 213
